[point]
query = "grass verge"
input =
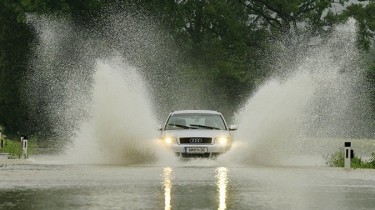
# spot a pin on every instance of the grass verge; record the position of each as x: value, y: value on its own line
x: 14, y: 148
x: 337, y: 160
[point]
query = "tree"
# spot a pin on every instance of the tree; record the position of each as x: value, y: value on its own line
x: 218, y: 35
x: 289, y: 17
x: 14, y: 49
x: 365, y: 16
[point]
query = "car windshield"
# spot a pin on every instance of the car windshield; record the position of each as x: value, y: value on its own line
x: 195, y: 121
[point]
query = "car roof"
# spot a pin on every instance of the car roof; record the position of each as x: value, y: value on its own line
x: 195, y: 112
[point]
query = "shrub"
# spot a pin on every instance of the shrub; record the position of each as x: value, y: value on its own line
x: 337, y: 159
x: 14, y: 148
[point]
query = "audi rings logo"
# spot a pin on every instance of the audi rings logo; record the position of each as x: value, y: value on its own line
x: 195, y: 140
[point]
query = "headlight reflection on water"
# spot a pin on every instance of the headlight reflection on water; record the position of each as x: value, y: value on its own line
x: 167, y: 178
x: 222, y: 181
x: 221, y: 184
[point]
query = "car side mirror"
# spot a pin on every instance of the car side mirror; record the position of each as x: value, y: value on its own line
x: 160, y: 127
x: 232, y: 127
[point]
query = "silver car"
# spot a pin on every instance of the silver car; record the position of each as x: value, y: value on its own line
x: 197, y: 133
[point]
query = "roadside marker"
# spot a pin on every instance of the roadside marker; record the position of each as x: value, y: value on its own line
x: 24, y: 143
x: 349, y: 154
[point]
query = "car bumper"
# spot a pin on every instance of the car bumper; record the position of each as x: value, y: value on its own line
x: 211, y: 148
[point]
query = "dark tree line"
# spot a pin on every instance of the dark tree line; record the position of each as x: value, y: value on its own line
x: 231, y: 41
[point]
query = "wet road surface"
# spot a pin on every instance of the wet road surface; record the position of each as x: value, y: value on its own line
x: 186, y: 186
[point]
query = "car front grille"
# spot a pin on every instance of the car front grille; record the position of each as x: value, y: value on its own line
x: 195, y: 140
x: 204, y: 155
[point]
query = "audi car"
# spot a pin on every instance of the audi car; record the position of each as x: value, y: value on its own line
x: 197, y: 133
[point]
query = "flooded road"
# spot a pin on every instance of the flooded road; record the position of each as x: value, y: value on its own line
x: 101, y: 92
x: 190, y: 185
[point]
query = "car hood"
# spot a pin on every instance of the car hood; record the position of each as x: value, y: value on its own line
x: 195, y: 133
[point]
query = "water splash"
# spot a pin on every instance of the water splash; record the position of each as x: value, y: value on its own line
x: 121, y: 127
x: 59, y: 78
x: 95, y: 97
x: 97, y: 89
x: 84, y: 83
x: 314, y: 101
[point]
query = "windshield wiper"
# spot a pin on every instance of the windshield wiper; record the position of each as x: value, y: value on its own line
x: 205, y: 126
x: 181, y: 126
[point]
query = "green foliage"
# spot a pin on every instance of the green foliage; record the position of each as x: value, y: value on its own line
x: 337, y: 159
x: 228, y: 42
x: 14, y: 39
x: 365, y: 15
x: 283, y: 17
x: 219, y: 36
x: 14, y: 148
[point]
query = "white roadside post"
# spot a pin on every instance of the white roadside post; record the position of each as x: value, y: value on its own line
x: 24, y: 142
x: 348, y: 154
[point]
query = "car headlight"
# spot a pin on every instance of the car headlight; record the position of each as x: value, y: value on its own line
x: 169, y: 140
x: 223, y: 140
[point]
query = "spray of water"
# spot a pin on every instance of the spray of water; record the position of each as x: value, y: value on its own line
x: 286, y: 117
x: 59, y: 79
x: 100, y: 88
x: 85, y: 85
x: 98, y: 100
x: 120, y: 127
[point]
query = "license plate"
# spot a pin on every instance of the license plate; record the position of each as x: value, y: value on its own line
x: 196, y: 150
